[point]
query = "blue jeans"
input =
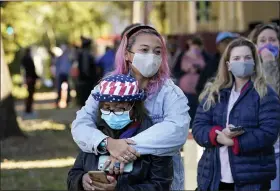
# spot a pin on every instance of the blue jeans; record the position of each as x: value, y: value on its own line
x: 179, y: 173
x: 275, y: 184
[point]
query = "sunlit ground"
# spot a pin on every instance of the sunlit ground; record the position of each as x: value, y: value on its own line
x: 52, y: 163
x: 41, y: 97
x: 42, y: 161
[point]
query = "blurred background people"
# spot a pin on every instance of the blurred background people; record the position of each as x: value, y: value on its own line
x: 222, y: 41
x: 173, y: 51
x: 89, y: 72
x: 188, y: 68
x: 210, y: 70
x: 63, y: 66
x: 267, y: 38
x: 106, y: 62
x: 30, y: 80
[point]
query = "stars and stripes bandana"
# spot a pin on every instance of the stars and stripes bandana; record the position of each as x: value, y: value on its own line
x: 118, y: 88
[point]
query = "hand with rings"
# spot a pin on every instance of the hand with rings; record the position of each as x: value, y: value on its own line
x: 115, y: 166
x: 121, y: 149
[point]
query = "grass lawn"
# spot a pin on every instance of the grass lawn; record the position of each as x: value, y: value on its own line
x: 42, y: 161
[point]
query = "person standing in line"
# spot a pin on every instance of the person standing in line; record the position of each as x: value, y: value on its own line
x: 143, y: 55
x: 238, y: 122
x: 188, y: 69
x: 107, y: 60
x: 89, y: 72
x: 63, y: 66
x: 30, y: 79
x: 222, y: 41
x: 267, y: 39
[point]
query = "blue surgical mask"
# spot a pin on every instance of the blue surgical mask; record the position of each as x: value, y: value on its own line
x: 117, y: 122
x: 242, y: 69
x: 273, y: 49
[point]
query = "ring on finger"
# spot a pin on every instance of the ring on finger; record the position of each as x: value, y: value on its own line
x: 117, y: 165
x: 131, y: 155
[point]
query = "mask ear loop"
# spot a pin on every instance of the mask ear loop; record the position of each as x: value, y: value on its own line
x: 132, y: 106
x: 131, y: 109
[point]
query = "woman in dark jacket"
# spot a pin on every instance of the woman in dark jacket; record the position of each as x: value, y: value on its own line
x: 122, y: 115
x: 237, y: 122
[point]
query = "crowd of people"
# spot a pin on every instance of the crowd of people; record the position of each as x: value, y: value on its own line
x: 136, y: 113
x: 236, y: 119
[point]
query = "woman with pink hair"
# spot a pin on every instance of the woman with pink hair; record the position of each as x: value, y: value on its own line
x: 143, y: 55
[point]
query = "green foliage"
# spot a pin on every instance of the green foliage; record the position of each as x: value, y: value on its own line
x: 158, y: 16
x: 50, y: 23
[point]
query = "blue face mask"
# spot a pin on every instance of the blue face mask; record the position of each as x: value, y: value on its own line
x: 242, y: 69
x: 117, y: 122
x: 273, y: 49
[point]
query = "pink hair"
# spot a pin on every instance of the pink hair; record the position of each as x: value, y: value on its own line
x: 156, y: 81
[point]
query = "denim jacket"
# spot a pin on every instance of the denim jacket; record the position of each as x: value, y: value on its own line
x: 169, y: 113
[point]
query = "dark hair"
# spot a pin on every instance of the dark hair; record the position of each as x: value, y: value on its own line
x: 133, y: 33
x: 86, y: 42
x: 28, y: 50
x: 107, y: 48
x: 253, y: 36
x: 140, y: 112
x: 196, y: 40
x: 129, y: 27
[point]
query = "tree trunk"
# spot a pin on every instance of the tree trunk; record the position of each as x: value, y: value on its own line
x: 8, y: 118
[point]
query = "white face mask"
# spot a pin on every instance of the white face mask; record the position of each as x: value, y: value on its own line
x: 147, y: 64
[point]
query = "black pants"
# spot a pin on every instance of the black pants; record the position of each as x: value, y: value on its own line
x: 31, y: 90
x: 193, y: 103
x: 226, y: 186
x: 230, y: 187
x: 83, y: 90
x: 62, y: 78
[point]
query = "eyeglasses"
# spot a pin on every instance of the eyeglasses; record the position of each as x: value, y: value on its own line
x: 119, y: 111
x: 108, y: 111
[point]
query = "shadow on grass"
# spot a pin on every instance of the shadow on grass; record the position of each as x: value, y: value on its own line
x: 49, y: 142
x: 34, y: 179
x: 40, y: 145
